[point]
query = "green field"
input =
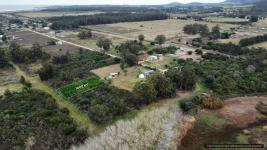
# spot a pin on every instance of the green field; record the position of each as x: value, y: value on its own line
x: 80, y: 86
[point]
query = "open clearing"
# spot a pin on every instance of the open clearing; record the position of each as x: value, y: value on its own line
x: 170, y: 28
x: 46, y: 14
x: 263, y: 45
x: 124, y: 80
x: 240, y: 111
x: 225, y: 19
x: 27, y: 38
x: 80, y: 87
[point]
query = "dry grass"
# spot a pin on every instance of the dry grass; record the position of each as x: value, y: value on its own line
x: 124, y: 80
x: 27, y: 38
x: 11, y: 87
x: 151, y: 29
x: 7, y: 76
x: 225, y: 19
x: 263, y: 45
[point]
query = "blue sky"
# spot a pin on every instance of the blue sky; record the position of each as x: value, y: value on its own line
x: 90, y: 2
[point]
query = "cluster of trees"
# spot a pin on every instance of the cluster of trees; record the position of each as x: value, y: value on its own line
x: 85, y: 34
x: 4, y: 59
x: 46, y: 72
x: 70, y: 22
x: 165, y: 50
x: 203, y: 30
x: 160, y: 39
x: 129, y: 52
x: 155, y: 86
x: 31, y: 119
x: 226, y: 75
x: 61, y: 59
x: 105, y: 103
x: 193, y: 104
x: 104, y: 43
x: 183, y: 77
x: 71, y: 67
x: 195, y: 28
x: 253, y: 40
x: 23, y: 55
x: 227, y: 48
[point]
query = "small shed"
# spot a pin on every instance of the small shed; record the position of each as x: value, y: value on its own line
x: 113, y: 75
x: 152, y: 58
x: 59, y: 42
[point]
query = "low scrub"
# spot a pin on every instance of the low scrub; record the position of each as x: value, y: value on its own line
x: 212, y: 102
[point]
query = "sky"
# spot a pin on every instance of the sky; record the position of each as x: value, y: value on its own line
x: 92, y: 2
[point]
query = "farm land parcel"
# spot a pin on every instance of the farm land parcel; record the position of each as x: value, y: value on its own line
x: 80, y: 86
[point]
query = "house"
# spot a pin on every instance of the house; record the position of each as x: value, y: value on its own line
x: 59, y: 42
x: 113, y: 75
x: 148, y: 73
x: 152, y: 58
x: 60, y: 33
x: 46, y: 28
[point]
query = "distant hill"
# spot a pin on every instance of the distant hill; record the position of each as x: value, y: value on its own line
x: 239, y: 1
x: 260, y: 8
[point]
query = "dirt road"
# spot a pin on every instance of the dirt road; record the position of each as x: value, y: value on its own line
x: 64, y: 41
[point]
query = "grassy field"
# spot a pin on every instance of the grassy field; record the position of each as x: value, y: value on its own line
x: 151, y: 29
x: 46, y: 14
x: 11, y: 87
x: 225, y: 19
x: 263, y: 45
x: 80, y: 87
x: 124, y: 80
x: 27, y: 38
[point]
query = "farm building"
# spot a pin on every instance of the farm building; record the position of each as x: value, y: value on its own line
x: 59, y: 42
x: 60, y: 33
x: 145, y: 74
x: 152, y: 58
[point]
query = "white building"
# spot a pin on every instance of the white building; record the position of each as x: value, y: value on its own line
x: 59, y: 42
x: 152, y: 58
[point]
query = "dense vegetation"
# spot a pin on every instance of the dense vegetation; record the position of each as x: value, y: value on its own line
x: 197, y: 28
x: 76, y: 68
x: 105, y: 103
x: 70, y: 22
x: 253, y: 40
x: 228, y: 76
x: 227, y: 48
x: 23, y: 55
x: 129, y: 52
x: 32, y: 120
x: 3, y: 59
x: 165, y: 50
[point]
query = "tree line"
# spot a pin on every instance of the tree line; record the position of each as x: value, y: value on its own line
x: 70, y: 22
x: 253, y: 40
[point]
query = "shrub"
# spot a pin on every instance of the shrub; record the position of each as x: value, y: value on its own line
x: 212, y: 102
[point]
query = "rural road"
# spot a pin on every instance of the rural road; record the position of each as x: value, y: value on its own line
x: 64, y: 41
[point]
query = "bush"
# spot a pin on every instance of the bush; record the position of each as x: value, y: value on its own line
x: 212, y: 102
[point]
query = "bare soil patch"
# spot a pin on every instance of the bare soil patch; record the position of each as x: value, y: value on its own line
x: 240, y: 111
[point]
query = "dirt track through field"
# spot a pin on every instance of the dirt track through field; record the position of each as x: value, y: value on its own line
x: 77, y: 45
x: 80, y: 117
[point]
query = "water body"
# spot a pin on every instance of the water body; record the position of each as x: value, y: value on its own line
x: 14, y: 8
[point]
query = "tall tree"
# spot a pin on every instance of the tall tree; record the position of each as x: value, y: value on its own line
x: 216, y: 34
x: 160, y: 39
